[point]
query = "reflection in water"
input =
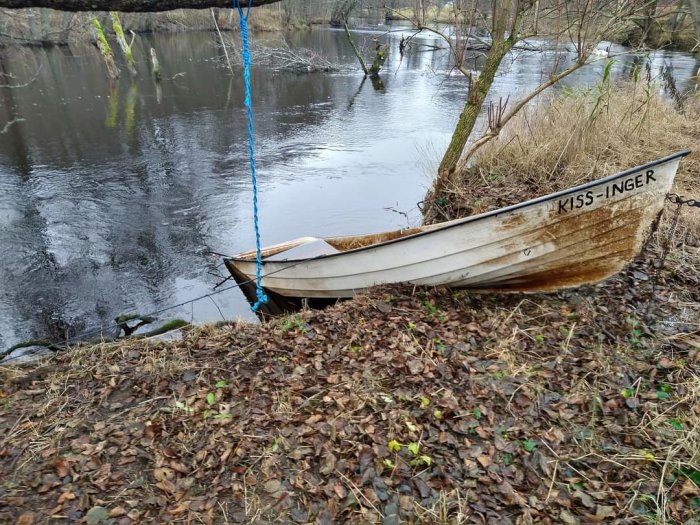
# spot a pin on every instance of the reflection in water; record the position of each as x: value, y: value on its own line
x: 111, y: 195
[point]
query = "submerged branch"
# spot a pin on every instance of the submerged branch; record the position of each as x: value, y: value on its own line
x: 282, y: 57
x: 16, y: 86
x: 7, y: 126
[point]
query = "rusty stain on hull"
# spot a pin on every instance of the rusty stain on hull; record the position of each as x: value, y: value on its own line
x: 615, y: 234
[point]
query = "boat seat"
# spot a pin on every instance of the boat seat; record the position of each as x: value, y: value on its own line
x: 314, y: 247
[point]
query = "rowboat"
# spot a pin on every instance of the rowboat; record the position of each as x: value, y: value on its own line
x: 573, y: 237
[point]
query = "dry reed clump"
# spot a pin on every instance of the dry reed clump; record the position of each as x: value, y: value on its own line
x: 572, y: 138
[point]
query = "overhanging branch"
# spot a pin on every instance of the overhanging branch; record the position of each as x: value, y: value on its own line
x: 127, y: 6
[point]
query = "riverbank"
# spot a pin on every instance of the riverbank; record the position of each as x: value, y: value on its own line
x: 404, y: 405
x: 415, y: 406
x: 669, y: 30
x: 401, y: 406
x: 45, y: 26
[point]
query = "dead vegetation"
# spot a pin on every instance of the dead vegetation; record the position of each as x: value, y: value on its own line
x: 401, y: 406
x: 578, y: 136
x: 278, y: 56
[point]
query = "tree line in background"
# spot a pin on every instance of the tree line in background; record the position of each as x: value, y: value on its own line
x: 45, y: 26
x: 673, y: 24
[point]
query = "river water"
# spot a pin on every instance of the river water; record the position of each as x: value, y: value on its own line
x: 111, y: 196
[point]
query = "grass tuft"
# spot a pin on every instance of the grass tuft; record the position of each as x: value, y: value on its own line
x: 574, y: 137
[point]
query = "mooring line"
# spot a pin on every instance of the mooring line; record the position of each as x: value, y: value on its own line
x: 63, y: 345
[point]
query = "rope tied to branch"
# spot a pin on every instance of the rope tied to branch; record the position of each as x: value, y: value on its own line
x: 243, y: 19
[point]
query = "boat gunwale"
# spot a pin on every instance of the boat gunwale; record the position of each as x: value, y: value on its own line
x: 458, y: 222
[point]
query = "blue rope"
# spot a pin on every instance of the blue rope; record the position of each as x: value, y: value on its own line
x: 259, y: 292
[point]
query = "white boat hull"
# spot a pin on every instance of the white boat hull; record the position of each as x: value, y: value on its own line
x: 566, y: 239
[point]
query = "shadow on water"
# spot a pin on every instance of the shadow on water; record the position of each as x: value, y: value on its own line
x: 111, y: 195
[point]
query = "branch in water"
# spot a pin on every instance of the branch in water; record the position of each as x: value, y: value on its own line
x: 4, y: 130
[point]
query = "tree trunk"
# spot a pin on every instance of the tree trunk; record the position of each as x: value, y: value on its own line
x: 477, y: 95
x: 502, y: 24
x: 649, y: 14
x: 505, y: 16
x: 121, y: 40
x: 354, y: 47
x: 45, y: 25
x: 155, y: 65
x: 105, y: 50
x: 677, y: 18
x: 379, y: 59
x: 341, y: 12
x: 31, y: 20
x: 128, y: 5
x: 67, y: 21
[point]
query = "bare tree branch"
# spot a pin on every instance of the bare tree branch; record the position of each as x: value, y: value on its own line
x: 15, y: 86
x: 494, y: 131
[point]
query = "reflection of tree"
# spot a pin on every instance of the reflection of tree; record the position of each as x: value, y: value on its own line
x: 8, y: 82
x: 113, y: 111
x: 27, y: 270
x: 130, y: 107
x: 65, y: 268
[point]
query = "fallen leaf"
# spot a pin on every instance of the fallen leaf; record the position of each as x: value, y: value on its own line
x: 116, y: 512
x: 484, y: 461
x: 272, y: 486
x: 415, y: 366
x: 26, y: 518
x: 66, y: 496
x: 96, y: 515
x: 605, y: 511
x: 567, y: 518
x: 61, y: 466
x: 584, y: 498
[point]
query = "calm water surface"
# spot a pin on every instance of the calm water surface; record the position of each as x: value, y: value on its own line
x: 111, y: 196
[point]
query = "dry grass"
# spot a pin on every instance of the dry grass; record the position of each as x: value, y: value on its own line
x: 576, y: 137
x: 581, y: 136
x: 267, y: 18
x: 662, y: 451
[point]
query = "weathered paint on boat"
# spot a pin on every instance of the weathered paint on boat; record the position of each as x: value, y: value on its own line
x: 578, y: 236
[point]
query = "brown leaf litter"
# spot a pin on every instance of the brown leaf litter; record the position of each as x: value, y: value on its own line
x: 402, y: 406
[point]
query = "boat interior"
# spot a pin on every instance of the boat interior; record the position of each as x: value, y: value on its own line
x: 310, y: 247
